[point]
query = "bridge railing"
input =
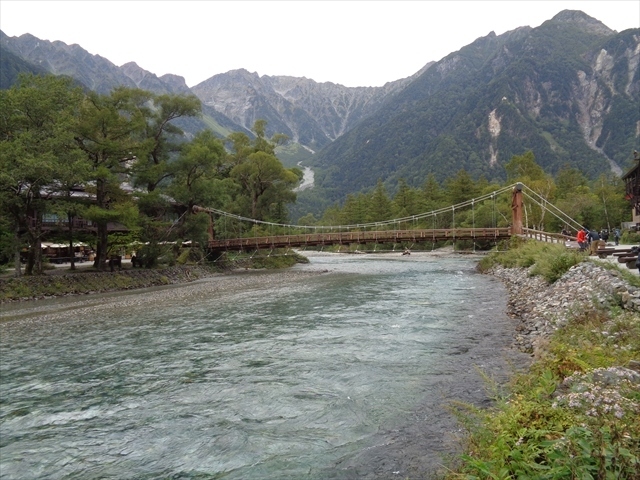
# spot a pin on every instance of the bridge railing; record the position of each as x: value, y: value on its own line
x: 361, y: 237
x: 545, y: 236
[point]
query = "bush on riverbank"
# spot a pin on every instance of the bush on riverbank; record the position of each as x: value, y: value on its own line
x: 548, y: 260
x: 574, y: 414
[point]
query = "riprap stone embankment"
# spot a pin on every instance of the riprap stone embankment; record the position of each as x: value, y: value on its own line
x: 542, y: 308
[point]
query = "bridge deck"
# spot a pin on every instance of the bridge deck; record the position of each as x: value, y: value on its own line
x: 340, y: 238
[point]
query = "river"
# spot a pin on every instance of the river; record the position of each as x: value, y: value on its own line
x: 341, y: 368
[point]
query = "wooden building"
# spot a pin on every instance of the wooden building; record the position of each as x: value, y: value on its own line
x: 632, y: 188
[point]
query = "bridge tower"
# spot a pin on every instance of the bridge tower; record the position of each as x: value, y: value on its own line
x: 516, y: 210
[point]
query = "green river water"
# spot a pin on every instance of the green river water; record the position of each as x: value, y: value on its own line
x: 342, y: 374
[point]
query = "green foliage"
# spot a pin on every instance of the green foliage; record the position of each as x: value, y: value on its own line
x: 277, y: 260
x: 265, y: 185
x: 573, y: 415
x: 550, y: 261
x: 630, y: 238
x: 555, y: 263
x: 56, y: 140
x: 38, y: 153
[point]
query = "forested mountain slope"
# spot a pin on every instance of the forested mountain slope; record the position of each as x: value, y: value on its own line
x: 568, y: 90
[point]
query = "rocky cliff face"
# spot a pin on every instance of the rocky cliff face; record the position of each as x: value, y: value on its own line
x: 313, y: 114
x: 148, y: 81
x: 593, y: 84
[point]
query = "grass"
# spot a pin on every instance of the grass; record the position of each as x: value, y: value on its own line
x: 574, y: 414
x: 548, y: 260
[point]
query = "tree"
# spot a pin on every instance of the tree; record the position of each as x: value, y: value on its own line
x: 567, y: 180
x: 72, y: 174
x: 259, y: 174
x: 432, y: 195
x: 109, y: 132
x: 610, y: 189
x: 355, y: 209
x: 152, y: 172
x: 199, y: 180
x: 379, y: 204
x: 405, y: 201
x: 36, y: 124
x: 265, y: 184
x: 161, y: 138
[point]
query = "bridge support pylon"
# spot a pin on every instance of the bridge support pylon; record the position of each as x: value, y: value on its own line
x: 516, y: 210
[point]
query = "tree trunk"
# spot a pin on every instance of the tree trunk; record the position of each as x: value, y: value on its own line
x: 254, y: 206
x: 17, y: 262
x: 101, y: 249
x: 72, y: 254
x: 34, y: 259
x: 28, y: 268
x: 38, y: 267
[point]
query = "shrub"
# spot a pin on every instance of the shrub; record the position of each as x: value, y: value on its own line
x: 630, y: 238
x: 555, y: 263
x: 548, y: 260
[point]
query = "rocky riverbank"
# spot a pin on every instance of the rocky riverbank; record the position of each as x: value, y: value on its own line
x: 541, y: 308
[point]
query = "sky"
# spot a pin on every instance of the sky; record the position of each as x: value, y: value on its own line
x: 352, y: 43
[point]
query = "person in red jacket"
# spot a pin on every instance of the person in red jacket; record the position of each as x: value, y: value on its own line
x: 581, y: 237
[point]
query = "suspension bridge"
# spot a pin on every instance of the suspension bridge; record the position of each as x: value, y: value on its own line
x: 226, y: 233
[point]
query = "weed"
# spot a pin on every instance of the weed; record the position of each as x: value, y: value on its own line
x: 573, y: 415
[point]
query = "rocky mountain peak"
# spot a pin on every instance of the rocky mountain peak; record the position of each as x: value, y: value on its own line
x: 582, y: 20
x: 134, y: 72
x: 176, y: 82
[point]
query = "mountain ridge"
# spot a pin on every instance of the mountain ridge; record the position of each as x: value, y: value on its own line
x: 568, y: 90
x: 528, y: 89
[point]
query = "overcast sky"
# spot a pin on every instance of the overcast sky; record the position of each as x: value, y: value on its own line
x: 353, y: 43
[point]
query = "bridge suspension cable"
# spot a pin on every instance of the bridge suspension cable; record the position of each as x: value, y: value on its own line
x: 544, y: 204
x: 411, y: 218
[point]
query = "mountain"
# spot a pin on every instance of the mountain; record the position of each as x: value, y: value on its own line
x: 11, y: 65
x: 99, y: 74
x: 568, y: 90
x: 309, y: 113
